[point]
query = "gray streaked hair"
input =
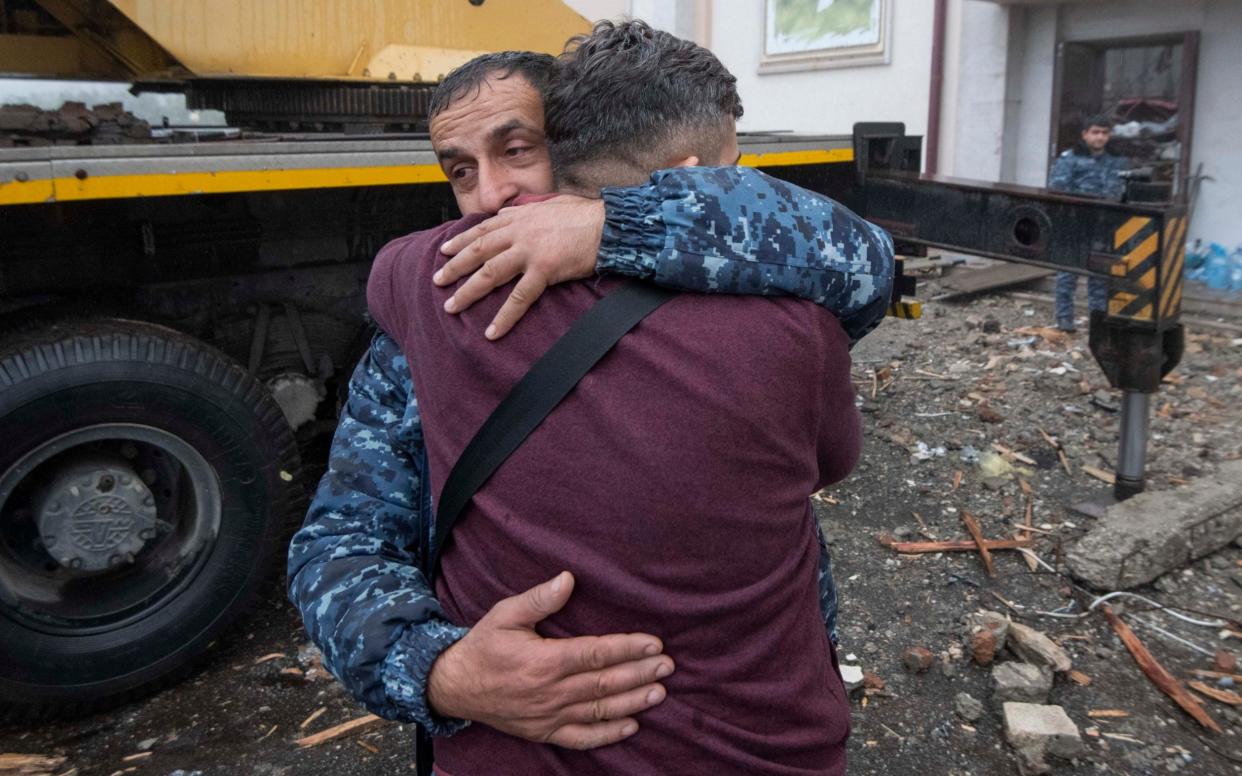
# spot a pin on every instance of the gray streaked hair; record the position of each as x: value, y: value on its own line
x: 466, y: 80
x: 635, y: 96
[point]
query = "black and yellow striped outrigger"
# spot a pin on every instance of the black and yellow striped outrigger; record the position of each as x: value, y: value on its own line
x: 1146, y: 280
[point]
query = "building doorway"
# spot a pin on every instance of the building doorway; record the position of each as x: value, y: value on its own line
x: 1146, y: 86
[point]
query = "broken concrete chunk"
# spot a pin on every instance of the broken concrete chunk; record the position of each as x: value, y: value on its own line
x: 917, y: 659
x: 995, y: 622
x: 967, y: 707
x: 851, y: 677
x: 983, y: 647
x: 1035, y: 730
x: 1153, y: 533
x: 1034, y: 647
x: 1022, y: 682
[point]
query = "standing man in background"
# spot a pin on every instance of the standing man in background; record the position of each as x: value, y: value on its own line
x: 1086, y: 169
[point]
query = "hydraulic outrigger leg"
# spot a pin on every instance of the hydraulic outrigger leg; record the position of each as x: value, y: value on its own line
x: 1137, y: 248
x: 1132, y: 451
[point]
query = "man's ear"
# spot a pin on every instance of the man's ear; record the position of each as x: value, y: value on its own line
x: 689, y: 161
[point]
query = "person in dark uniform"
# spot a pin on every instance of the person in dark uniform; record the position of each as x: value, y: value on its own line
x: 1087, y: 169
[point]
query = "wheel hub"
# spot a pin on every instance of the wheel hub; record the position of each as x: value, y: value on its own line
x: 95, y: 515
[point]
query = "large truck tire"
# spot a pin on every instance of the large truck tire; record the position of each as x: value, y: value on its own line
x: 147, y: 483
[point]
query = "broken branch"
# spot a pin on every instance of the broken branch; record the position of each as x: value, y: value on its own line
x: 1217, y: 694
x: 1157, y: 673
x: 343, y: 729
x: 954, y: 545
x: 972, y: 526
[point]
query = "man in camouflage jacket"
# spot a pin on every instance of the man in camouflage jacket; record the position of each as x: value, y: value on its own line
x: 364, y: 597
x: 1086, y: 169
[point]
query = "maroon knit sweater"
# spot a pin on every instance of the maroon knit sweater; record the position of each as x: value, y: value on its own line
x: 674, y: 483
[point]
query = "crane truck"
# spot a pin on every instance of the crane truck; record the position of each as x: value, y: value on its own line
x: 178, y: 316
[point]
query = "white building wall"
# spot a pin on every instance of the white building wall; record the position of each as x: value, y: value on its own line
x: 972, y: 126
x: 1217, y: 137
x: 827, y: 101
x: 1031, y: 97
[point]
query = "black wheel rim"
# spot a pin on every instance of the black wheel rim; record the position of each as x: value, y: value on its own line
x: 156, y: 533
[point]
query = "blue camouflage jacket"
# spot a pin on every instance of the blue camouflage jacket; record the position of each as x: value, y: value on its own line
x: 1077, y: 171
x: 362, y: 595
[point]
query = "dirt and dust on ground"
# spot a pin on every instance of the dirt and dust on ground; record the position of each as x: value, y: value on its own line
x: 976, y: 409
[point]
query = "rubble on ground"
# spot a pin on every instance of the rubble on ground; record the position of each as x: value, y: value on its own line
x: 1154, y: 533
x: 985, y: 414
x: 1036, y: 730
x: 924, y: 584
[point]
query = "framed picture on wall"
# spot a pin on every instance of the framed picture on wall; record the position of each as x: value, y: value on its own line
x: 818, y: 34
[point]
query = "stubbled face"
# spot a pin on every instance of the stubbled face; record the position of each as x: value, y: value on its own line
x: 1096, y: 138
x: 491, y: 147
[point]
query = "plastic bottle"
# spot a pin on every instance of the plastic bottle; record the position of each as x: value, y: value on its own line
x: 1218, y: 274
x: 1196, y: 254
x: 1196, y: 260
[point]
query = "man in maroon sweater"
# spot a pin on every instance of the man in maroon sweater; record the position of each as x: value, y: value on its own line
x: 673, y: 481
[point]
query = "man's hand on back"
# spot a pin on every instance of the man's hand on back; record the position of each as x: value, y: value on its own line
x: 577, y: 693
x: 545, y: 242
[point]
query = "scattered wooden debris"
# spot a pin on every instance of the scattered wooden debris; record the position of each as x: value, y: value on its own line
x: 972, y: 526
x: 922, y: 526
x: 957, y: 480
x: 1013, y: 455
x: 1107, y: 714
x: 314, y: 715
x: 1157, y: 673
x: 953, y: 545
x: 1033, y: 529
x: 369, y: 747
x: 133, y: 758
x: 343, y: 729
x: 1205, y: 674
x: 1100, y: 474
x: 1123, y: 737
x: 1217, y: 694
x: 1080, y: 678
x: 1059, y: 448
x: 270, y: 656
x: 29, y: 764
x: 270, y: 730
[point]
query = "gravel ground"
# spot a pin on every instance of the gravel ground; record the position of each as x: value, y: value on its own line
x: 958, y: 381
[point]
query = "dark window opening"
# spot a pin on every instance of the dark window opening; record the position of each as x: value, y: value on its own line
x: 1146, y: 88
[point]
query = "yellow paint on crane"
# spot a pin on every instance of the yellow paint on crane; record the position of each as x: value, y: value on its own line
x: 1128, y: 230
x: 29, y: 192
x: 1144, y: 249
x: 908, y: 310
x: 70, y: 189
x: 1174, y: 265
x: 790, y: 158
x: 339, y: 38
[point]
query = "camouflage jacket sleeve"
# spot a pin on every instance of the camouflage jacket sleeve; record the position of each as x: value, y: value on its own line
x: 364, y: 600
x: 1061, y: 177
x: 827, y: 586
x: 735, y: 230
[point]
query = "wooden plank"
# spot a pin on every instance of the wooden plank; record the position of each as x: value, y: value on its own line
x: 972, y: 526
x: 953, y: 545
x: 1160, y: 677
x: 343, y: 729
x: 974, y: 281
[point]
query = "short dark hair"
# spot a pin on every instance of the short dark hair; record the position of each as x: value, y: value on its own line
x: 468, y: 79
x: 1098, y: 120
x: 635, y: 95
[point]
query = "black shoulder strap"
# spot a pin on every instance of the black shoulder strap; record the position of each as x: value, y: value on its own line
x: 551, y: 378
